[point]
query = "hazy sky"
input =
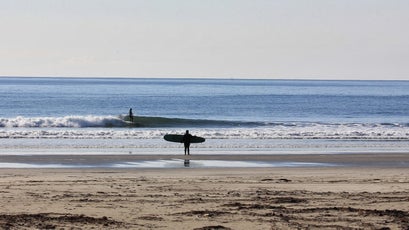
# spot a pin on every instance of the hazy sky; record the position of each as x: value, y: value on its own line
x: 321, y: 39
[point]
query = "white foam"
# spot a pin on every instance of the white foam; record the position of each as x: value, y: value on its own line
x: 316, y: 131
x: 67, y: 121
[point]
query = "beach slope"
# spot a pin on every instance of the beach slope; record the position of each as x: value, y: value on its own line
x: 218, y: 198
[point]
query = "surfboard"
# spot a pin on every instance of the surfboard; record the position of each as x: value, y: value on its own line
x: 179, y: 138
x: 126, y: 118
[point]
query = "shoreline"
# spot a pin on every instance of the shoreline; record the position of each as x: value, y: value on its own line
x: 104, y: 161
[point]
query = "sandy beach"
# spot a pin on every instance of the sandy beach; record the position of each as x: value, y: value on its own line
x: 366, y: 197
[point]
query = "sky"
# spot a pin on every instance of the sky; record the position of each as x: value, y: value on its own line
x: 273, y: 39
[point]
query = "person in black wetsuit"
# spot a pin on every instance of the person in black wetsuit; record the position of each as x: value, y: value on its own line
x: 186, y: 141
x: 130, y: 115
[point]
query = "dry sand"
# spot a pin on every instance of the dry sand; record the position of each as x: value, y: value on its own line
x: 236, y: 198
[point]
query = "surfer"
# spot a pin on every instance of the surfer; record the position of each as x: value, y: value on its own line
x: 187, y: 138
x: 130, y: 115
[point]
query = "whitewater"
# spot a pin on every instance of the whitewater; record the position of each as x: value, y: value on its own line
x: 110, y: 127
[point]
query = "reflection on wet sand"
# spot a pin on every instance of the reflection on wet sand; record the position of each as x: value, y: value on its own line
x: 187, y: 163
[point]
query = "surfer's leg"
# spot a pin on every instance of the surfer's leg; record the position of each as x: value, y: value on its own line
x: 186, y: 148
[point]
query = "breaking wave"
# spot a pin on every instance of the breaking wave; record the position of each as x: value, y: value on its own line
x: 116, y: 127
x: 114, y: 122
x: 62, y: 122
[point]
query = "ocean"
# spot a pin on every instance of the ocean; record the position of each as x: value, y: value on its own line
x: 86, y: 116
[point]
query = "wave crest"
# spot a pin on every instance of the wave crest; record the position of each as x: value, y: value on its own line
x: 62, y: 122
x: 114, y: 122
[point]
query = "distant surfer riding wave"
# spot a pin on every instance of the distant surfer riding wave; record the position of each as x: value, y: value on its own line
x: 111, y: 121
x: 130, y: 115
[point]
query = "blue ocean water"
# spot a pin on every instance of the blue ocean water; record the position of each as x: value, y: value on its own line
x: 262, y: 115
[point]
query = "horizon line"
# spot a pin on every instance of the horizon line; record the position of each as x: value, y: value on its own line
x: 207, y: 78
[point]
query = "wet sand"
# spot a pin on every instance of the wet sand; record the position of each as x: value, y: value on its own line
x: 374, y: 196
x: 344, y: 159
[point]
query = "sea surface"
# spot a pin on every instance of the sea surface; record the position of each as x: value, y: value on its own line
x: 86, y: 116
